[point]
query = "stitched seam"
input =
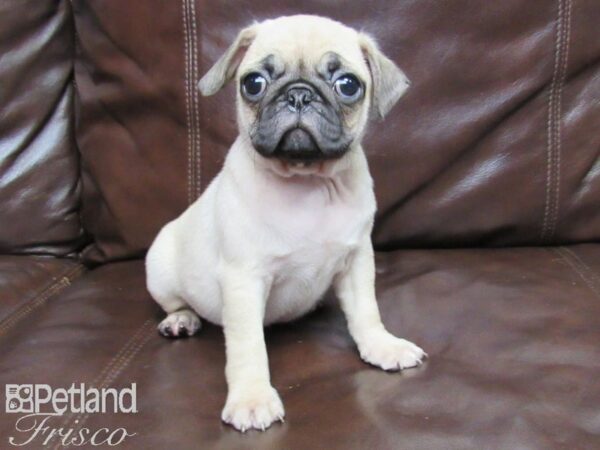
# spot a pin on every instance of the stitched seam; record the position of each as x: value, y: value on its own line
x: 590, y: 272
x: 111, y: 371
x: 566, y: 28
x: 66, y: 278
x: 112, y: 376
x: 113, y: 361
x: 187, y: 102
x: 563, y: 253
x: 194, y: 90
x: 550, y: 124
x: 553, y: 115
x: 191, y: 50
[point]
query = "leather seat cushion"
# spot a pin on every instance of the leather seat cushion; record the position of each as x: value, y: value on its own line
x: 512, y: 336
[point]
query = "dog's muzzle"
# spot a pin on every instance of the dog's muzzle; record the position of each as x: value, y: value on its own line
x: 299, y: 126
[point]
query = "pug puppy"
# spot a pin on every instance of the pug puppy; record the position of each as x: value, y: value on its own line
x: 291, y: 212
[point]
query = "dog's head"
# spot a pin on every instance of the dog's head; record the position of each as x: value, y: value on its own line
x: 306, y: 87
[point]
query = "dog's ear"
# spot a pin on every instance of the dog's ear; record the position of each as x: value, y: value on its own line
x: 389, y: 82
x: 224, y: 69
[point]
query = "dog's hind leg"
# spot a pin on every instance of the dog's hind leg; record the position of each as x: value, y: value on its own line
x: 161, y: 281
x: 181, y: 323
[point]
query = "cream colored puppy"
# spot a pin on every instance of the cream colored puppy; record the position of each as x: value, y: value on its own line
x: 291, y: 212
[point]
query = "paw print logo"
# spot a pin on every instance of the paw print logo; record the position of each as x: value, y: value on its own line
x: 19, y: 398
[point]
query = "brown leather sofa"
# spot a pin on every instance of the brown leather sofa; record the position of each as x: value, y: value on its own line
x: 488, y: 182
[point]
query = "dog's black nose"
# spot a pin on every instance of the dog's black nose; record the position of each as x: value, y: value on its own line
x: 299, y: 97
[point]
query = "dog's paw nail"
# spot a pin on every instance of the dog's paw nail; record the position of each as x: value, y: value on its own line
x: 391, y: 353
x: 181, y: 323
x: 253, y: 409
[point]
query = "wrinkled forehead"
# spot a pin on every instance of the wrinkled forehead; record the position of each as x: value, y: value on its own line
x: 305, y: 44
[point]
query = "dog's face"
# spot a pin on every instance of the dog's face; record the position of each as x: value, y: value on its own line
x: 306, y: 87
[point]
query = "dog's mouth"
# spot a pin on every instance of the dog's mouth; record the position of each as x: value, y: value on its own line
x: 298, y: 147
x: 300, y: 167
x: 298, y: 153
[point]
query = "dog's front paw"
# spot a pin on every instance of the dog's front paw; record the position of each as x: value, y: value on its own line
x: 253, y: 407
x: 385, y: 350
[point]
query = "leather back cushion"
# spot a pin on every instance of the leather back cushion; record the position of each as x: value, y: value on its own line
x: 495, y: 143
x: 39, y: 171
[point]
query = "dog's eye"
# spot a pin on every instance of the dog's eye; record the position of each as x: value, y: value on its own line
x: 253, y: 85
x: 347, y: 86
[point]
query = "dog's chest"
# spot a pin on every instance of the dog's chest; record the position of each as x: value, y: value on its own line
x: 311, y: 233
x: 306, y: 220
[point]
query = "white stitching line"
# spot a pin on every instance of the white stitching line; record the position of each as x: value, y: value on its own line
x: 552, y: 181
x: 591, y: 274
x: 196, y: 118
x: 553, y: 112
x: 187, y: 102
x: 577, y: 269
x: 117, y: 371
x: 191, y: 52
x: 553, y: 187
x: 64, y: 281
x: 114, y: 360
x: 114, y: 367
x: 550, y: 124
x: 558, y: 107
